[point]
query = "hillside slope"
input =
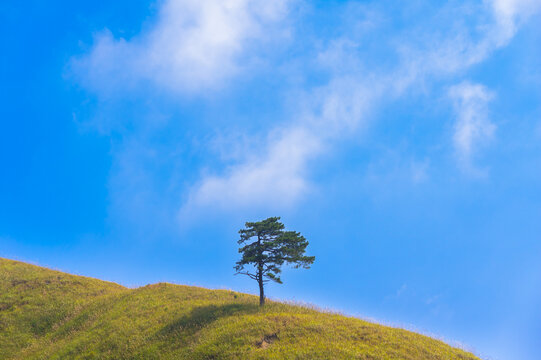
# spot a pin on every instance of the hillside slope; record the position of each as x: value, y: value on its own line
x: 46, y: 314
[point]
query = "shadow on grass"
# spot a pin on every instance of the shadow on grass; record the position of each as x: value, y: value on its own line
x: 202, y: 316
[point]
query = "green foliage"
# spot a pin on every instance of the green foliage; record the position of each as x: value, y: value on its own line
x: 47, y: 314
x: 270, y: 249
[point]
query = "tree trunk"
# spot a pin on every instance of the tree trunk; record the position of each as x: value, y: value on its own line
x: 260, y: 273
x: 261, y: 290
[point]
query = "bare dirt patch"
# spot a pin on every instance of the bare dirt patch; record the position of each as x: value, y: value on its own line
x: 267, y: 340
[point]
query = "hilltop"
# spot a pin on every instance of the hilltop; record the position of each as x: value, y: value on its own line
x: 46, y: 314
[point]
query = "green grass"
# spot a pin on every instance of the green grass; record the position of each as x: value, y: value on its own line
x: 46, y: 314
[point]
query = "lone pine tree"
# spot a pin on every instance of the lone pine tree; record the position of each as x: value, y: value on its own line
x: 266, y: 247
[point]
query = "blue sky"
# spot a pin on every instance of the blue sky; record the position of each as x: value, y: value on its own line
x: 403, y: 141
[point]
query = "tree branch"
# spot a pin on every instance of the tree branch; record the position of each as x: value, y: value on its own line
x: 252, y: 276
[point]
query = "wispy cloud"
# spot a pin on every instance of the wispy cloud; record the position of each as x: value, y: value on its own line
x: 275, y: 180
x: 453, y: 46
x: 510, y: 13
x: 278, y: 177
x: 193, y: 46
x: 472, y: 129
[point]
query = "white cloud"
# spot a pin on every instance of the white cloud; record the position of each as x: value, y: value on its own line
x: 194, y: 46
x: 472, y: 128
x: 277, y: 178
x: 461, y: 44
x: 510, y: 12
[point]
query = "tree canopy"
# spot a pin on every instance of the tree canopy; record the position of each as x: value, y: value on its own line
x: 266, y: 246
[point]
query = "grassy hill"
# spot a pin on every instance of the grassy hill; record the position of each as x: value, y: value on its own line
x: 46, y: 314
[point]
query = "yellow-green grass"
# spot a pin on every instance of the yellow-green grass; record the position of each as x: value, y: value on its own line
x: 46, y: 314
